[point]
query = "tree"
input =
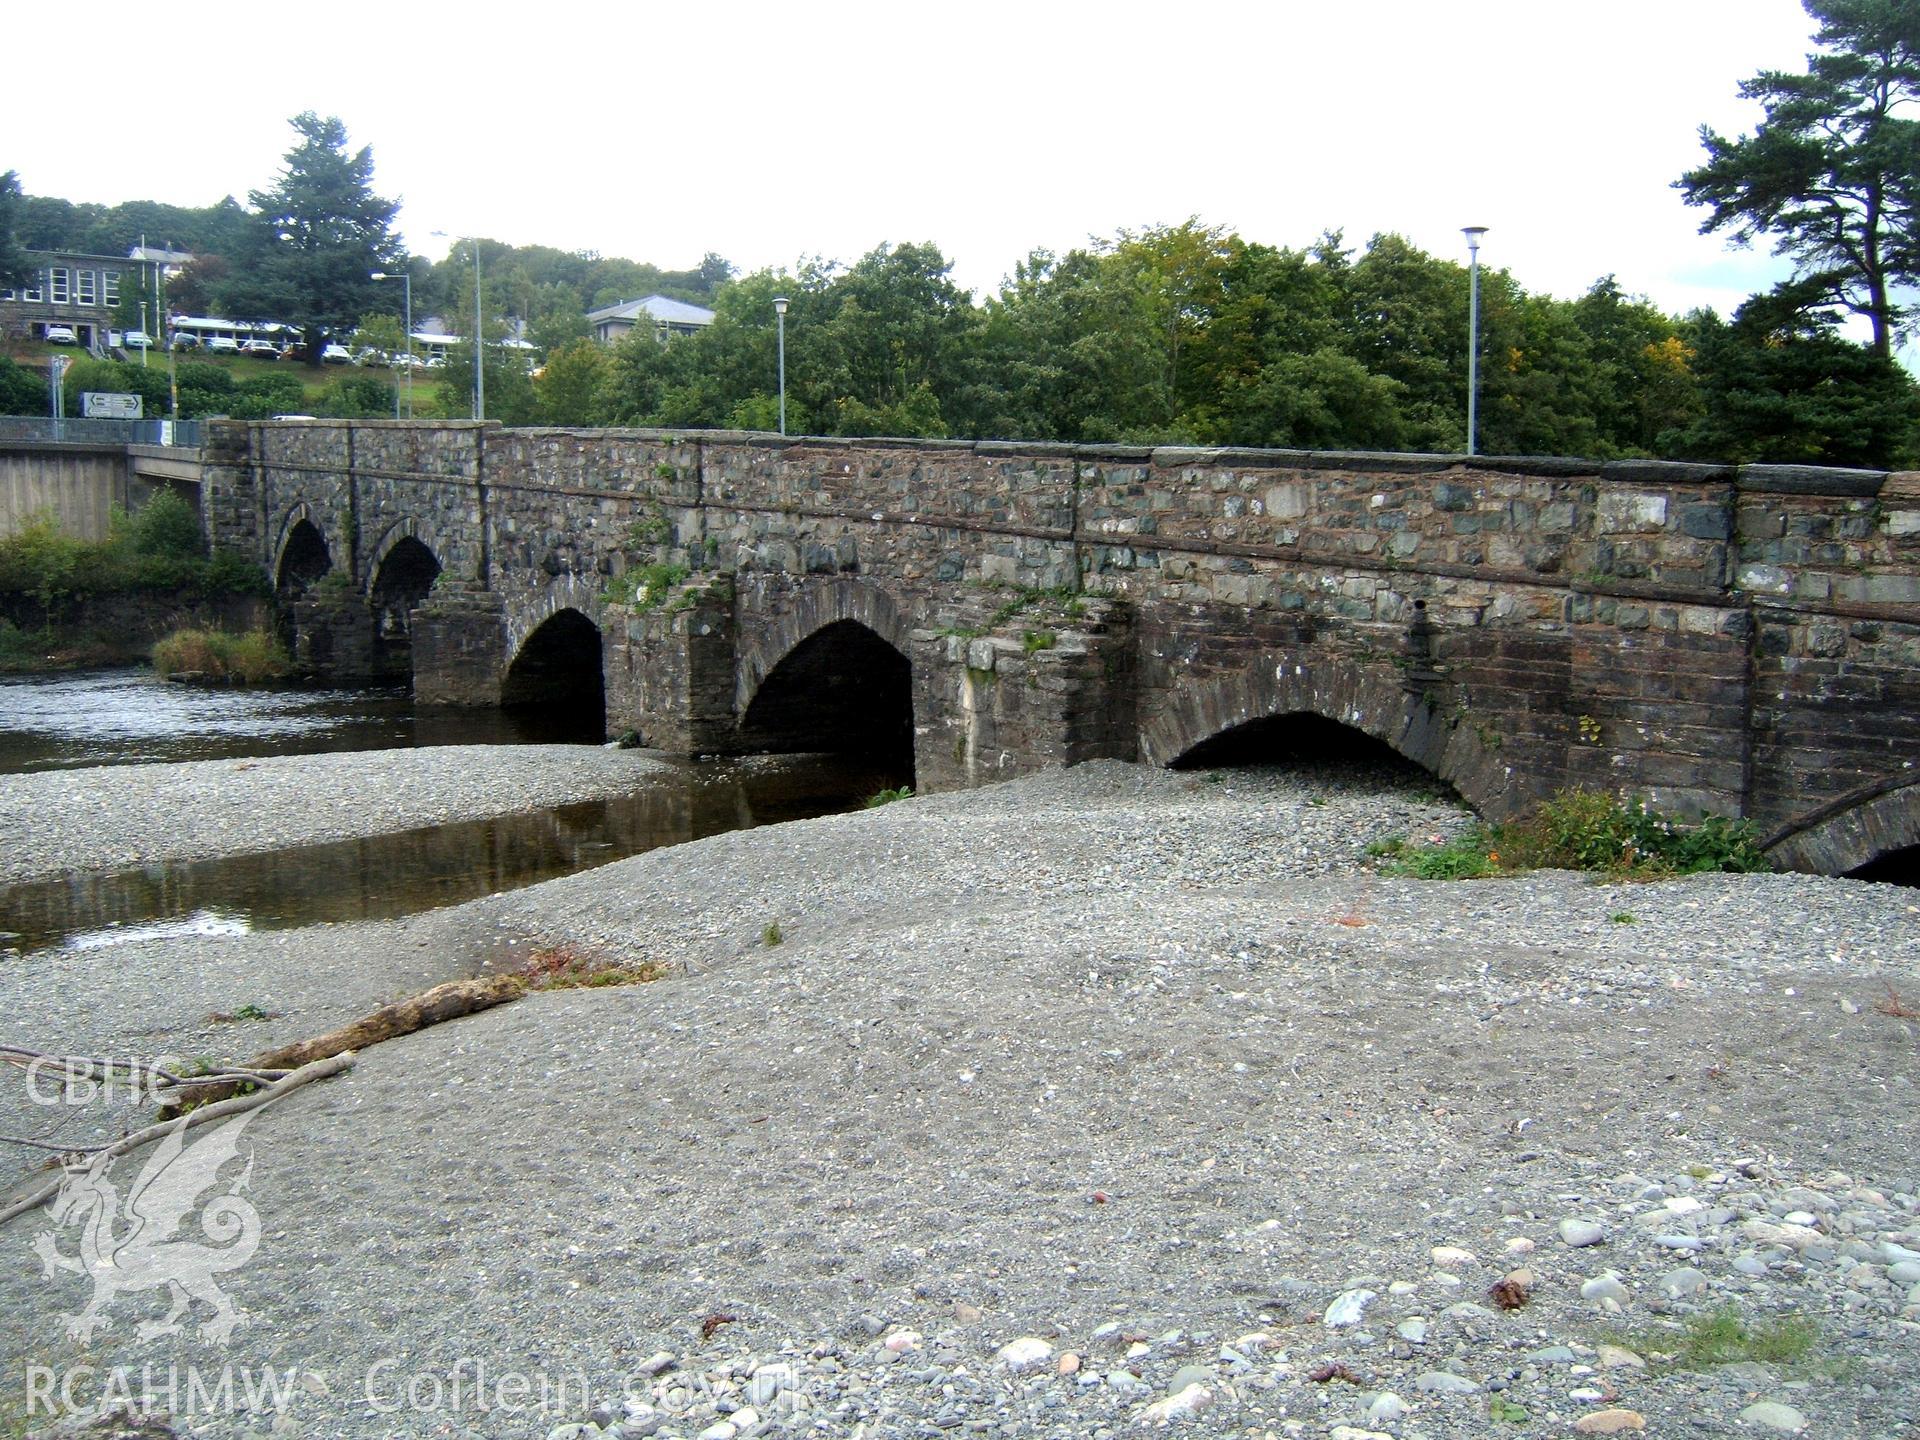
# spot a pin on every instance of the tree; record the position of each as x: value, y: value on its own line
x: 568, y: 387
x: 1779, y: 386
x: 1831, y: 171
x: 317, y: 238
x: 15, y: 268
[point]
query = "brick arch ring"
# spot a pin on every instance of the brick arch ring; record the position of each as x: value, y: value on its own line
x: 300, y: 510
x: 815, y: 607
x: 1369, y: 699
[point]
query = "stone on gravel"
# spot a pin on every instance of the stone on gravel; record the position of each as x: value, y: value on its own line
x: 1387, y: 1409
x: 1579, y: 1233
x: 1773, y: 1415
x: 1444, y: 1382
x: 1348, y: 1308
x: 1610, y: 1422
x: 1029, y: 1352
x: 1185, y: 1405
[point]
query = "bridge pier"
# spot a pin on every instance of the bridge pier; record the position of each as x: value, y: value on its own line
x: 459, y: 648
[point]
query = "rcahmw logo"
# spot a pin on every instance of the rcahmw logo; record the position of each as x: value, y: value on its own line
x: 146, y: 1391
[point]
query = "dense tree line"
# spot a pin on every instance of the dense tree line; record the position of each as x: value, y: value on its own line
x: 1192, y: 335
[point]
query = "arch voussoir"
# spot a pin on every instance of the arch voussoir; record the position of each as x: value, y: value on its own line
x: 1368, y: 699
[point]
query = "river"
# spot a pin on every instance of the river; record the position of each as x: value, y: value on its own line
x: 124, y: 717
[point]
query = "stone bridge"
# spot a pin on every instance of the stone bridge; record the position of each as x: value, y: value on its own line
x: 1739, y: 641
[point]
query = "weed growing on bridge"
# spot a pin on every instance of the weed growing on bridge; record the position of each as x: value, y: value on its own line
x: 1034, y: 641
x: 887, y: 797
x: 771, y: 935
x: 1585, y: 830
x: 645, y: 586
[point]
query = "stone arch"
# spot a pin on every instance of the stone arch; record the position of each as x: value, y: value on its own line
x: 1852, y: 830
x: 559, y: 667
x: 832, y: 674
x: 403, y: 569
x: 528, y: 612
x: 301, y: 554
x: 1370, y: 700
x: 814, y: 608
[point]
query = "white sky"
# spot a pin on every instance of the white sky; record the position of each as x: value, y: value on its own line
x: 768, y: 132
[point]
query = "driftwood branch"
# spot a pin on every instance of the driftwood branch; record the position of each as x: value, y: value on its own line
x: 443, y: 1002
x: 91, y: 1067
x: 318, y: 1070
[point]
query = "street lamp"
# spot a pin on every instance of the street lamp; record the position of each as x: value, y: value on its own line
x: 780, y: 316
x: 406, y: 279
x: 479, y: 341
x: 1473, y: 234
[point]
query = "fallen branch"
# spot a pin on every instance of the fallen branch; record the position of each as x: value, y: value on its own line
x: 443, y: 1002
x: 318, y: 1070
x: 91, y: 1067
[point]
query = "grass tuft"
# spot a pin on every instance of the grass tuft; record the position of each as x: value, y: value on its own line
x: 249, y: 658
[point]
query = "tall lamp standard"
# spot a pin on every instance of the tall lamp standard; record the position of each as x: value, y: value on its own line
x: 479, y: 341
x: 406, y: 279
x: 780, y: 317
x: 1473, y: 234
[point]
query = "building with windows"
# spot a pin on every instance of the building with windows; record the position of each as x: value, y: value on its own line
x: 79, y: 292
x: 667, y: 317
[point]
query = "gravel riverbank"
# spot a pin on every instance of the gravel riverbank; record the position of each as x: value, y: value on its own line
x: 1077, y: 1105
x: 105, y: 817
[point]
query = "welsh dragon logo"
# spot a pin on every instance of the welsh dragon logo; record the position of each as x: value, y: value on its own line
x: 145, y: 1254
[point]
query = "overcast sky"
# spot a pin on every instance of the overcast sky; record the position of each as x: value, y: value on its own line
x: 770, y: 132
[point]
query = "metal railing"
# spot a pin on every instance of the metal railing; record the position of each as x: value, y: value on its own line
x: 44, y: 428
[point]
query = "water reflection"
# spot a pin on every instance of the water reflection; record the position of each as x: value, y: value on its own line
x: 384, y: 876
x: 131, y: 717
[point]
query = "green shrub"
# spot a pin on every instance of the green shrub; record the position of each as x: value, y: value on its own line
x: 887, y: 797
x: 1589, y: 830
x: 166, y: 525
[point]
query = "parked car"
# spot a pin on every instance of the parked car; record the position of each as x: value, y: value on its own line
x: 336, y: 355
x: 61, y: 335
x: 182, y: 340
x: 136, y: 340
x: 263, y: 349
x: 221, y: 345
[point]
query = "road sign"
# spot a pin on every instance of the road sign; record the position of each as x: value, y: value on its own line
x: 105, y: 405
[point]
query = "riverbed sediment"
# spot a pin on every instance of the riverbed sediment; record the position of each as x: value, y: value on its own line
x: 1028, y: 1110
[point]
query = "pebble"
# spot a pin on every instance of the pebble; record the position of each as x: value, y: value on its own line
x: 1579, y: 1233
x: 1387, y: 1409
x: 1027, y: 1353
x: 1618, y: 1357
x: 1605, y: 1287
x: 1413, y: 1331
x: 1184, y: 1406
x: 1444, y: 1382
x: 1610, y: 1422
x: 1775, y: 1416
x: 1348, y: 1308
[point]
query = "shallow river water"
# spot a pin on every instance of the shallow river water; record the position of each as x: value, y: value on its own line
x: 127, y: 717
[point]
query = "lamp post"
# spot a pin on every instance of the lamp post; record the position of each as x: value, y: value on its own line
x: 479, y: 344
x: 479, y: 341
x: 1473, y: 234
x: 780, y: 318
x: 406, y: 279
